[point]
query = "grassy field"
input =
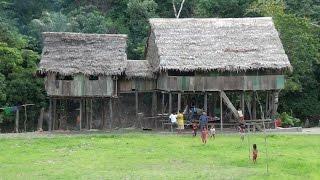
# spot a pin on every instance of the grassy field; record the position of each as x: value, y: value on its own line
x: 156, y: 156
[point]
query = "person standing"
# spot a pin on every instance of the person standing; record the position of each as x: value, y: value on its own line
x: 180, y: 121
x: 203, y: 120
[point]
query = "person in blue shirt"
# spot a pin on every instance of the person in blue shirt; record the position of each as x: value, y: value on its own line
x: 203, y: 120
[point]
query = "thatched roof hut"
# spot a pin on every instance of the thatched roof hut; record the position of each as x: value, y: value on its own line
x: 89, y: 54
x: 139, y: 69
x: 229, y: 44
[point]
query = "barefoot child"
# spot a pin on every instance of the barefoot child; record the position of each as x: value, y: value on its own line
x: 204, y: 135
x: 212, y: 132
x: 254, y: 153
x: 194, y: 128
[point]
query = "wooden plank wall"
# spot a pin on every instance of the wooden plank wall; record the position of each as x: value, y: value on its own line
x: 217, y: 83
x: 125, y: 85
x: 80, y: 86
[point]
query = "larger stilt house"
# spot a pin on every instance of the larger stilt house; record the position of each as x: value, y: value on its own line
x: 184, y: 58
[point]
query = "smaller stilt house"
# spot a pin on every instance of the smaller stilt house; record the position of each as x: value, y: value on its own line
x: 82, y: 67
x: 138, y: 78
x: 204, y: 56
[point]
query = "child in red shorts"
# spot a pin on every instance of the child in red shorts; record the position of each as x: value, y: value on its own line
x: 194, y: 128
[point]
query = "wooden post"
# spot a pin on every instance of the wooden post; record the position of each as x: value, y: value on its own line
x: 87, y: 114
x: 242, y: 105
x: 275, y: 100
x: 81, y: 111
x: 179, y: 102
x: 162, y: 103
x: 50, y: 115
x: 40, y: 119
x: 221, y: 123
x: 137, y: 102
x: 170, y: 102
x: 54, y: 107
x: 205, y: 103
x: 110, y: 113
x: 154, y: 103
x: 91, y: 114
x: 17, y: 121
x: 254, y: 106
x: 102, y: 114
x: 25, y: 118
x: 267, y: 105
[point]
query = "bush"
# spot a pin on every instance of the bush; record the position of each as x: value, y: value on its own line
x: 288, y: 121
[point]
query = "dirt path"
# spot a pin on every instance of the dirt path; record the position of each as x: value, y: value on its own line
x: 77, y: 133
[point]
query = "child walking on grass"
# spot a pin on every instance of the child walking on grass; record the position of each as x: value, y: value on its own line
x: 254, y: 153
x: 194, y: 128
x: 204, y: 135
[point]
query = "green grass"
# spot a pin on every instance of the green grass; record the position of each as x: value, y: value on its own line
x: 155, y: 156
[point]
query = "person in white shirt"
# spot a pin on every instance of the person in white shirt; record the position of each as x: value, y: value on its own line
x: 173, y: 118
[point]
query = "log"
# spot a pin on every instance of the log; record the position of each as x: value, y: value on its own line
x: 229, y: 104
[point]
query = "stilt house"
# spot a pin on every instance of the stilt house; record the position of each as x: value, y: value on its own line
x: 216, y: 55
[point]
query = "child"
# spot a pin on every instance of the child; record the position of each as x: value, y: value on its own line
x: 212, y: 132
x: 194, y: 128
x: 254, y: 153
x: 204, y: 135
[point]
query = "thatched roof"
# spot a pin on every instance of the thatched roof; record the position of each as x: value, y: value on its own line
x: 139, y: 69
x: 90, y: 54
x: 230, y: 44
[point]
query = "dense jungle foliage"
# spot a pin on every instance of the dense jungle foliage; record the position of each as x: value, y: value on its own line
x: 21, y: 24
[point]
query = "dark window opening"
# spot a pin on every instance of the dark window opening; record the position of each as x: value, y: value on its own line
x: 180, y: 73
x: 65, y: 78
x: 93, y: 78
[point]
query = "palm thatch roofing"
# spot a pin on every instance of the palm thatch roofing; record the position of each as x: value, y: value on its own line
x: 139, y: 69
x: 89, y: 54
x: 228, y: 44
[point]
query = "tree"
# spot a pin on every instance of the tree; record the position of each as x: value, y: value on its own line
x: 139, y: 11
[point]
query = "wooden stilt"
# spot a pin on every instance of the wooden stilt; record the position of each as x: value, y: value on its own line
x: 40, y: 119
x: 91, y: 114
x: 254, y: 106
x: 54, y: 113
x: 267, y: 105
x: 179, y: 102
x: 16, y: 128
x: 242, y: 105
x: 137, y: 102
x: 170, y: 102
x: 102, y: 114
x: 110, y: 113
x: 81, y: 114
x: 275, y: 103
x: 154, y: 103
x: 205, y: 103
x: 87, y: 113
x: 162, y: 102
x: 50, y: 115
x: 221, y: 120
x: 25, y: 119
